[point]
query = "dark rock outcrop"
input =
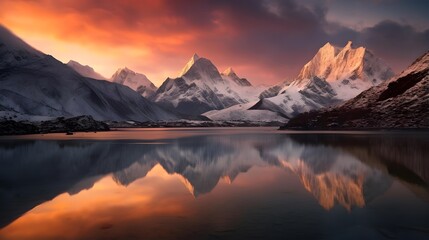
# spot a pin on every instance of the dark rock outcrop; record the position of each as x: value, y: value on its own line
x: 61, y: 124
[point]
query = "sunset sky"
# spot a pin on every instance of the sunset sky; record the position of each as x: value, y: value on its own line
x: 266, y: 41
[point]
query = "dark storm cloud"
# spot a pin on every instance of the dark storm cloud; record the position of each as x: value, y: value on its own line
x: 398, y: 44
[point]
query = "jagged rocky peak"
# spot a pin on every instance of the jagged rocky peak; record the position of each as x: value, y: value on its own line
x: 230, y: 74
x: 337, y: 64
x: 189, y: 64
x: 199, y: 68
x: 319, y: 64
x: 121, y: 74
x: 136, y: 81
x: 201, y: 88
x: 398, y: 103
x: 348, y: 45
x: 124, y: 75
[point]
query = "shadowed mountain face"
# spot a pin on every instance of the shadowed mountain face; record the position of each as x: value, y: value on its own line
x: 35, y: 84
x: 345, y: 170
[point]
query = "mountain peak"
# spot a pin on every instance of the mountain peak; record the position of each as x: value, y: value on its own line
x: 84, y: 70
x: 318, y: 65
x: 349, y: 70
x: 73, y: 62
x: 188, y: 65
x: 136, y: 81
x: 125, y: 69
x: 122, y: 73
x: 327, y: 45
x: 349, y: 45
x: 334, y: 64
x: 195, y: 57
x: 199, y: 68
x: 228, y: 72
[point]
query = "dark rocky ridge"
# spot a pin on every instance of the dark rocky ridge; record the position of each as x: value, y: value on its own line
x: 58, y: 125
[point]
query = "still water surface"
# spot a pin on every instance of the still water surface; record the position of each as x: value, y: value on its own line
x: 216, y: 183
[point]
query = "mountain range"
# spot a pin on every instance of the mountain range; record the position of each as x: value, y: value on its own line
x: 332, y: 76
x: 37, y: 85
x: 200, y: 87
x: 402, y: 102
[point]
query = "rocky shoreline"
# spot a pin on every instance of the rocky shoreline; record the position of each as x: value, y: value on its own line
x: 58, y: 125
x: 190, y: 124
x: 88, y: 124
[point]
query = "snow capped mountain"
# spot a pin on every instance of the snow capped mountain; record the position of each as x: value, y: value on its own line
x: 85, y: 71
x: 349, y: 70
x: 332, y: 76
x: 242, y: 86
x: 401, y: 102
x: 200, y: 88
x: 37, y: 84
x: 201, y: 69
x: 230, y: 75
x: 136, y: 81
x: 188, y: 65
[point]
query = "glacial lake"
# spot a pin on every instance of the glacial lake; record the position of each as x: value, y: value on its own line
x: 215, y: 183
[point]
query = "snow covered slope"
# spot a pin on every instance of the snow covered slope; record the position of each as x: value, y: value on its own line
x: 402, y: 102
x: 314, y: 94
x: 136, y: 81
x: 14, y: 51
x: 200, y: 88
x: 33, y: 83
x: 85, y: 71
x: 241, y: 86
x: 273, y: 90
x: 241, y: 112
x: 332, y: 76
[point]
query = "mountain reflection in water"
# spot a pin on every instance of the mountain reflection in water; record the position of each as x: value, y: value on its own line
x: 339, y: 171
